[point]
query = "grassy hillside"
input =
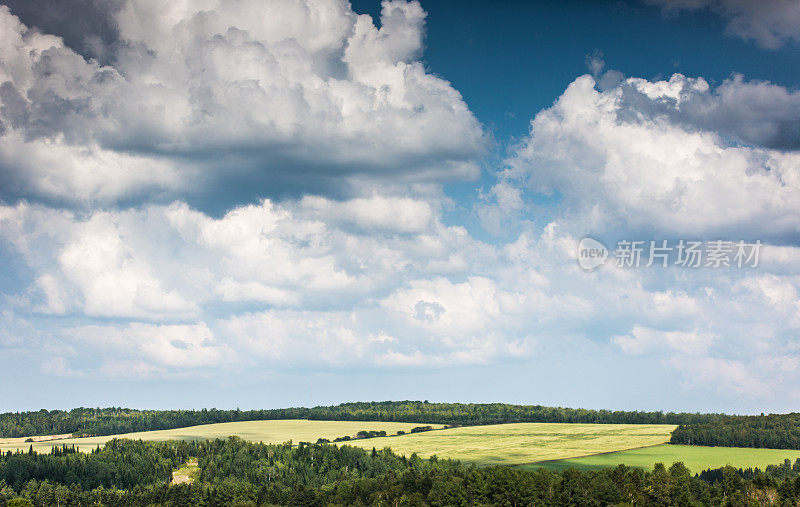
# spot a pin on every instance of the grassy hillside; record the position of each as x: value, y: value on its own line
x: 553, y: 445
x: 695, y: 457
x: 513, y: 444
x: 276, y: 432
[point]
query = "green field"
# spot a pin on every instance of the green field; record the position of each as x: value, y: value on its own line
x: 695, y: 457
x: 519, y: 443
x: 276, y: 431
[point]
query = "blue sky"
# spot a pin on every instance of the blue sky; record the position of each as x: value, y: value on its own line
x: 238, y: 203
x: 511, y: 59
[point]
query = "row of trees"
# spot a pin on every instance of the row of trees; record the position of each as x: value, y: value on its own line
x: 776, y: 431
x: 111, y: 421
x: 233, y: 471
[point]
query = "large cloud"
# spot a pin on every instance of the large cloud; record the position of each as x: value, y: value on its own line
x: 771, y: 23
x: 209, y: 96
x: 663, y: 156
x: 164, y: 263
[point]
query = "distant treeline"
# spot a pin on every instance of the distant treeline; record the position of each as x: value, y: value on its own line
x: 235, y: 472
x: 776, y: 431
x: 112, y: 421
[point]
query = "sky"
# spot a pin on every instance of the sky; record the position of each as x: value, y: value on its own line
x: 238, y: 203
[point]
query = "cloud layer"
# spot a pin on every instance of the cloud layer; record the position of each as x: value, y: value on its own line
x: 324, y: 143
x: 166, y: 291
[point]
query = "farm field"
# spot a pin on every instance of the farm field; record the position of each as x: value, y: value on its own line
x: 695, y: 457
x: 519, y: 443
x: 275, y: 431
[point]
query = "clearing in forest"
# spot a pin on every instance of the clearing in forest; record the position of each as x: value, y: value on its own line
x: 187, y: 473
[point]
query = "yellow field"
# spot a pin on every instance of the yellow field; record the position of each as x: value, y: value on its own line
x: 514, y: 444
x: 278, y: 431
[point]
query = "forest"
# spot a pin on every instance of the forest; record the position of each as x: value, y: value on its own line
x: 775, y: 431
x: 112, y: 421
x: 234, y: 471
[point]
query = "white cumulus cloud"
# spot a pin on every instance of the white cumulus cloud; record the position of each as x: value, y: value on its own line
x: 631, y: 158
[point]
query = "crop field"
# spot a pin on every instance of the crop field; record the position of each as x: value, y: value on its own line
x: 520, y: 443
x: 696, y: 458
x: 276, y: 431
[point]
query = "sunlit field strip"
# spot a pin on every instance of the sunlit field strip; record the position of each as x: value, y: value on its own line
x: 275, y: 431
x: 695, y: 457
